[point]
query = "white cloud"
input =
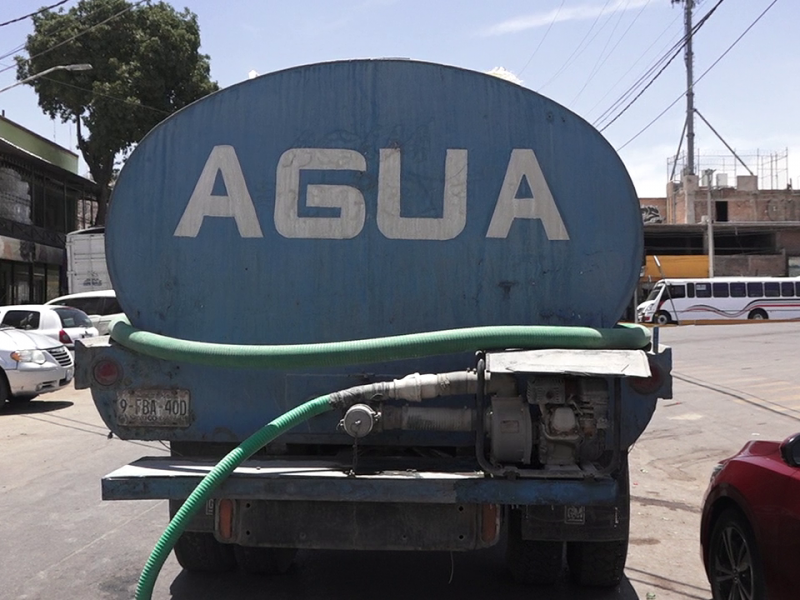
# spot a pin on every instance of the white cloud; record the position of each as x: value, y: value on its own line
x: 504, y: 73
x: 565, y: 13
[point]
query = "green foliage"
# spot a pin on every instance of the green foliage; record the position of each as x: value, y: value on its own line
x: 146, y: 65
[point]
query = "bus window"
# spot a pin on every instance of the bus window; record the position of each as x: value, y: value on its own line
x: 738, y: 289
x: 677, y: 291
x: 787, y: 289
x: 703, y: 290
x: 755, y: 289
x: 772, y: 289
x: 720, y: 290
x: 690, y: 290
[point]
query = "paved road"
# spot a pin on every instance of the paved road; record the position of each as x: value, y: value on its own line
x: 59, y: 540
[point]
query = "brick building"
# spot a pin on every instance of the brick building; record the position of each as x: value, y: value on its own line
x: 756, y: 231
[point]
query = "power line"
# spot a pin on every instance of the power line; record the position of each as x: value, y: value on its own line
x: 33, y: 14
x: 684, y: 40
x: 85, y: 31
x: 597, y: 63
x: 696, y: 81
x: 94, y: 93
x: 549, y: 27
x: 578, y: 47
x: 641, y: 56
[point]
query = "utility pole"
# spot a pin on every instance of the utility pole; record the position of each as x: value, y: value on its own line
x: 710, y: 222
x: 688, y: 5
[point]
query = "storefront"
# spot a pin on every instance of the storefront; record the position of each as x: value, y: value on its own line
x: 41, y: 199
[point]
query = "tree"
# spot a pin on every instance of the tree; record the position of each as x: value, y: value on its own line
x: 146, y: 65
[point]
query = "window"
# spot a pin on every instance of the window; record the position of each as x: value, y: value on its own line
x: 690, y: 290
x: 71, y: 317
x: 755, y: 289
x: 703, y: 290
x: 738, y: 289
x: 111, y: 307
x: 787, y: 289
x: 772, y: 289
x: 720, y: 290
x: 677, y: 291
x: 90, y: 305
x: 22, y: 319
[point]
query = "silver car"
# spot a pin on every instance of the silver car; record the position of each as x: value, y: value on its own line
x: 33, y: 364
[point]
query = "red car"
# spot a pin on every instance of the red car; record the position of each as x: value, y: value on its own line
x: 750, y: 529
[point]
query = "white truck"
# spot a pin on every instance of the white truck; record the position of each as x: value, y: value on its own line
x: 86, y: 260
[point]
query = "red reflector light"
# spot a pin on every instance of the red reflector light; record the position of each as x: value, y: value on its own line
x: 64, y: 338
x: 648, y: 385
x: 106, y: 372
x: 225, y: 519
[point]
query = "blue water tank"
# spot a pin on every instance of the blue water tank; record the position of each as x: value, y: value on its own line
x: 366, y: 198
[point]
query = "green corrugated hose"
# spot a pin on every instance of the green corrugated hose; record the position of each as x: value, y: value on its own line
x: 632, y: 337
x: 413, y: 345
x: 201, y: 494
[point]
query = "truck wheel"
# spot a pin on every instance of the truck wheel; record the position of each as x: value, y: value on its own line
x: 264, y: 561
x: 597, y: 564
x: 662, y: 318
x: 532, y: 561
x: 201, y: 552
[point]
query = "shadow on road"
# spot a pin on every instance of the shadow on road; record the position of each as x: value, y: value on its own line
x: 34, y: 407
x: 333, y: 575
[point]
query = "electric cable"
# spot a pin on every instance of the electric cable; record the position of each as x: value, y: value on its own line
x: 641, y: 56
x: 94, y: 93
x: 33, y: 14
x: 601, y: 60
x: 85, y: 31
x: 696, y: 81
x: 578, y: 47
x: 683, y: 43
x: 549, y: 27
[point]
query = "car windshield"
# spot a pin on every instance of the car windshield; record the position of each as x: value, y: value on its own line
x: 72, y: 317
x: 656, y: 291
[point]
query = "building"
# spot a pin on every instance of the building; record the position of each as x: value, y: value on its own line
x: 755, y: 221
x: 42, y: 198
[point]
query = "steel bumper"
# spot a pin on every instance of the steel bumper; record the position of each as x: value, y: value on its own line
x: 175, y: 478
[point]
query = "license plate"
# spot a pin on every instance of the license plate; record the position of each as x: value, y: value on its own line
x: 154, y: 408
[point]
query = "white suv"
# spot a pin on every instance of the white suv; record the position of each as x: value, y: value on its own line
x: 101, y: 306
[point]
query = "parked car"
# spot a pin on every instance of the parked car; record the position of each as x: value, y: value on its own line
x: 61, y: 323
x: 750, y: 528
x: 101, y: 306
x: 32, y: 364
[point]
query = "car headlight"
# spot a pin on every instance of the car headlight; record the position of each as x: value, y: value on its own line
x: 34, y: 356
x: 715, y: 471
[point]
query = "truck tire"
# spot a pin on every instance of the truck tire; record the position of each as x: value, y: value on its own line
x: 597, y: 564
x: 264, y: 561
x: 602, y: 564
x: 532, y: 562
x: 202, y: 553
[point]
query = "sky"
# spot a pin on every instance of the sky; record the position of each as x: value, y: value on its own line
x: 584, y: 54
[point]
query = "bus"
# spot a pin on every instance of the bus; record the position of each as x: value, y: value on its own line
x: 720, y: 299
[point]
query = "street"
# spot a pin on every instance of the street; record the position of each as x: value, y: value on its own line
x: 58, y: 539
